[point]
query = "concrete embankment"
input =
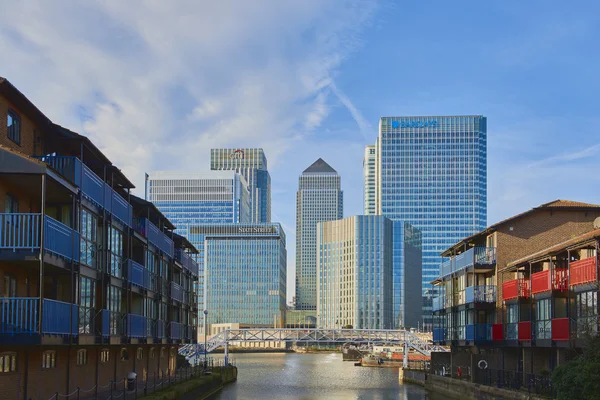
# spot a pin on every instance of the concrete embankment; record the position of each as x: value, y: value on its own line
x: 200, y: 388
x: 461, y: 390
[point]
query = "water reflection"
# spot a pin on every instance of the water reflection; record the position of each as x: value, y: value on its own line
x: 314, y: 376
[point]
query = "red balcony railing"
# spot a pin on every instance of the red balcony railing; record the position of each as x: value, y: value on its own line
x: 497, y: 332
x: 584, y: 271
x: 525, y: 331
x: 541, y: 282
x: 560, y: 329
x: 515, y: 289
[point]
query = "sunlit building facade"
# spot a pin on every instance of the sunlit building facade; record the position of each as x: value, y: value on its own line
x: 432, y: 173
x: 370, y: 179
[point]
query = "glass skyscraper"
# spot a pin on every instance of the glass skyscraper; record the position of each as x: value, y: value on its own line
x: 319, y: 198
x: 354, y: 273
x: 244, y: 273
x: 432, y: 173
x: 252, y: 164
x: 370, y: 176
x: 407, y: 275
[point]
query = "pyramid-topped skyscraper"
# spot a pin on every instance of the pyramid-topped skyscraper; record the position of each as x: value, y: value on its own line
x: 319, y: 198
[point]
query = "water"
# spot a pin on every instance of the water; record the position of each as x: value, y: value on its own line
x: 314, y: 376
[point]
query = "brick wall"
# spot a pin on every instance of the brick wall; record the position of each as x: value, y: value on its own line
x: 28, y: 130
x: 536, y: 232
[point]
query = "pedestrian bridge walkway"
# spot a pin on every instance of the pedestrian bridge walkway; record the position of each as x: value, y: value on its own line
x: 339, y: 336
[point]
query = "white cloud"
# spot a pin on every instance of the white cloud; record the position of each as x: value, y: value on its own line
x: 156, y: 84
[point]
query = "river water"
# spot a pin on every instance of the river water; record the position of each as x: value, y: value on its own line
x: 315, y: 376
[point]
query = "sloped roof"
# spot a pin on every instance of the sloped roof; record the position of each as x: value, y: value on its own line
x: 553, y: 205
x: 581, y: 239
x: 320, y: 166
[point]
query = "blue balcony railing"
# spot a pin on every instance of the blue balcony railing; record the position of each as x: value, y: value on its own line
x: 91, y: 185
x: 439, y: 335
x: 480, y: 256
x: 61, y: 240
x: 19, y: 315
x: 59, y: 318
x: 446, y: 267
x: 485, y: 256
x: 439, y: 303
x: 105, y: 323
x: 464, y: 260
x: 22, y: 232
x: 479, y: 332
x: 176, y: 292
x: 138, y: 275
x: 480, y: 294
x: 187, y: 261
x: 137, y: 326
x: 175, y: 330
x: 154, y: 235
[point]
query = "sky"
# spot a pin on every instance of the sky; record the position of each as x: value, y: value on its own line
x: 157, y: 84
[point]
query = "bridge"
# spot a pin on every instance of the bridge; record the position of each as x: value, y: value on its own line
x: 339, y: 336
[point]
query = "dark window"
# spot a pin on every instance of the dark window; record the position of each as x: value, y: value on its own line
x: 10, y: 286
x: 13, y: 126
x: 12, y: 204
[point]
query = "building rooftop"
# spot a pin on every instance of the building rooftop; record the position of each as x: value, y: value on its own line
x: 319, y: 167
x: 553, y: 205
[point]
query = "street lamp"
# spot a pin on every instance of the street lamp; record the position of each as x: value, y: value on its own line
x: 205, y: 316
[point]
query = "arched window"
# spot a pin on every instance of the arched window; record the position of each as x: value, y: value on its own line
x: 104, y: 356
x: 82, y: 357
x: 140, y: 353
x: 49, y: 359
x: 124, y: 354
x: 8, y: 362
x: 152, y: 353
x: 162, y: 352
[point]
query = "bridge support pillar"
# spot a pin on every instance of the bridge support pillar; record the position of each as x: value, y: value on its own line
x: 226, y: 347
x: 405, y: 361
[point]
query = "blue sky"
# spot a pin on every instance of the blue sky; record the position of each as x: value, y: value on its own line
x: 157, y: 85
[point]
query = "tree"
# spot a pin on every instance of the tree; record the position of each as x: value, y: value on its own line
x: 578, y: 379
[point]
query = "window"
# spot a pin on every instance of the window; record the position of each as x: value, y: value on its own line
x: 152, y: 353
x: 12, y: 203
x: 13, y: 126
x: 89, y: 226
x: 116, y: 251
x: 8, y: 363
x: 82, y: 357
x: 140, y: 353
x: 124, y: 354
x: 162, y: 353
x: 49, y: 359
x: 10, y: 286
x: 87, y: 289
x: 104, y: 356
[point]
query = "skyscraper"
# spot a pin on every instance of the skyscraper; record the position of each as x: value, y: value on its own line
x: 370, y: 176
x: 319, y: 198
x: 354, y: 273
x: 252, y: 164
x: 432, y: 173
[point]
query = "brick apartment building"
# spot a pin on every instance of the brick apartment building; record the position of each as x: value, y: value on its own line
x: 520, y: 293
x: 94, y: 282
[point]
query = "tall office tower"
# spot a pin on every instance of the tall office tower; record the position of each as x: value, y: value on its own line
x: 319, y: 198
x: 245, y: 274
x: 432, y: 173
x: 252, y: 164
x: 354, y: 273
x: 186, y: 198
x: 370, y: 176
x: 407, y: 276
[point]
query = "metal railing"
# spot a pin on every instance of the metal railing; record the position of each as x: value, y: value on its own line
x: 175, y: 330
x: 137, y: 326
x: 176, y: 292
x: 19, y: 231
x: 19, y: 315
x: 480, y: 294
x: 154, y: 235
x: 138, y: 275
x: 60, y: 318
x: 187, y: 261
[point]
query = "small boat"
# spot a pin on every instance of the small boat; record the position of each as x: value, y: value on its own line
x: 358, y: 364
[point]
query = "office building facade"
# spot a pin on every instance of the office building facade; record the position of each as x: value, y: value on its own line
x: 252, y: 164
x: 354, y: 273
x: 95, y: 283
x: 244, y: 273
x: 432, y: 173
x: 319, y: 198
x: 407, y: 275
x: 370, y: 179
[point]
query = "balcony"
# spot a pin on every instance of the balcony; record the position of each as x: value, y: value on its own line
x: 186, y: 260
x: 175, y: 331
x: 497, y: 332
x: 475, y: 256
x: 447, y: 267
x: 584, y: 271
x: 561, y: 329
x: 19, y: 315
x: 439, y: 335
x: 480, y: 294
x: 439, y: 303
x: 104, y: 323
x: 176, y: 292
x: 541, y: 281
x: 154, y: 235
x: 479, y: 332
x: 543, y: 329
x: 485, y: 256
x: 515, y: 289
x: 91, y: 185
x: 159, y: 329
x: 512, y: 331
x: 137, y: 326
x: 464, y: 260
x: 20, y: 231
x: 138, y: 275
x: 524, y: 331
